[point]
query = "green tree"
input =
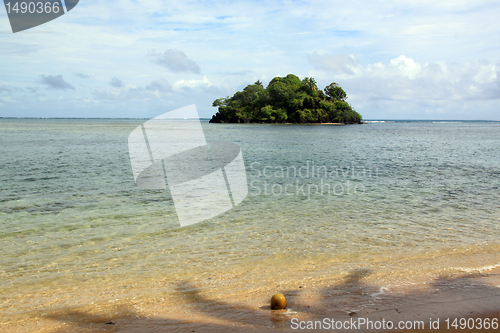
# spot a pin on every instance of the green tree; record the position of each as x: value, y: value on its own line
x: 310, y: 84
x: 278, y: 91
x: 219, y: 102
x: 335, y: 92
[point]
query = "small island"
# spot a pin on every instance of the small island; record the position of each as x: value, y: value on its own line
x: 286, y: 100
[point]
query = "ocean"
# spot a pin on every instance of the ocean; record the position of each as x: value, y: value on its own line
x: 403, y: 200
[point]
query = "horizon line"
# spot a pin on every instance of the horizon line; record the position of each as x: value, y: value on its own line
x: 203, y: 118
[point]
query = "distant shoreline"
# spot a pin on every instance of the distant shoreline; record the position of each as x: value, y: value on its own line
x: 207, y: 119
x: 291, y: 123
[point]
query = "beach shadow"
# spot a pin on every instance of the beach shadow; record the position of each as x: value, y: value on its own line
x: 348, y: 297
x: 203, y: 314
x: 353, y: 298
x: 474, y: 295
x: 234, y: 312
x: 131, y: 322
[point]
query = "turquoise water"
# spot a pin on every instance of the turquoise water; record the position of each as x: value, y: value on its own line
x: 323, y: 200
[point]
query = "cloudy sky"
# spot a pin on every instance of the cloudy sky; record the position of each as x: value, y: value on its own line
x: 417, y: 59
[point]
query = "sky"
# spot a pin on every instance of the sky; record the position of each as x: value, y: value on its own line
x: 417, y: 59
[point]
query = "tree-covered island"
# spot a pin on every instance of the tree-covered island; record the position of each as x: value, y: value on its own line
x: 286, y: 100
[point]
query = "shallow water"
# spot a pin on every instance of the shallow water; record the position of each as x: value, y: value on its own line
x: 396, y: 198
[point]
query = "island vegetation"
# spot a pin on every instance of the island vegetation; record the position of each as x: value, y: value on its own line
x: 286, y: 100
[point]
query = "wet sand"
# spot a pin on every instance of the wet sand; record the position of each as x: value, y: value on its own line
x: 190, y: 310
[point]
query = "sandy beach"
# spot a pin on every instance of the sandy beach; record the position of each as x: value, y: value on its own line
x: 473, y: 295
x: 416, y: 242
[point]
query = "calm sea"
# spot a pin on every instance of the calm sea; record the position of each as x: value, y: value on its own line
x: 403, y: 200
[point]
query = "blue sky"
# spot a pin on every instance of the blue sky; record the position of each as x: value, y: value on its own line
x: 122, y: 58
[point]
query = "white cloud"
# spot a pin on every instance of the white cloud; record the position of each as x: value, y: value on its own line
x: 82, y: 76
x: 4, y: 89
x: 160, y: 85
x: 339, y: 63
x: 117, y: 83
x: 56, y: 82
x: 175, y: 60
x: 157, y: 89
x: 404, y: 79
x: 193, y: 84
